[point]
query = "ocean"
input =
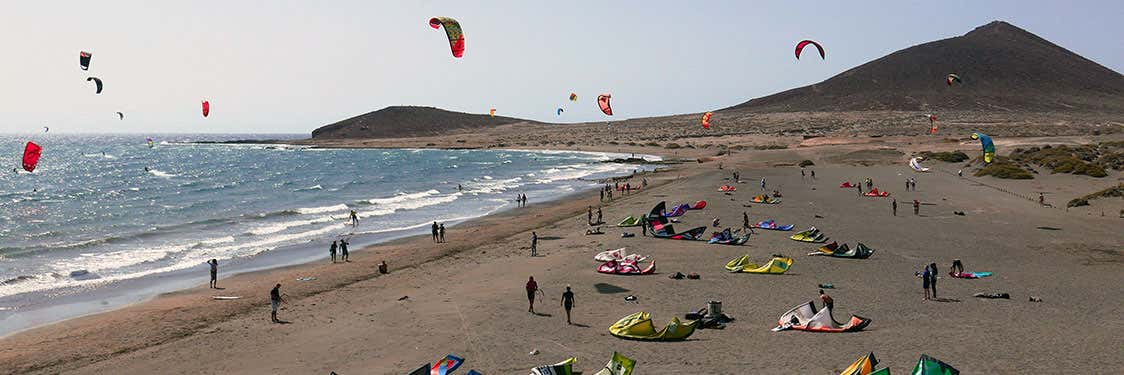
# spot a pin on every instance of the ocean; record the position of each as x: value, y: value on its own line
x: 102, y: 209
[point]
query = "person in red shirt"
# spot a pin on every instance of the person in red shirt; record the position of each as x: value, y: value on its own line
x: 532, y: 287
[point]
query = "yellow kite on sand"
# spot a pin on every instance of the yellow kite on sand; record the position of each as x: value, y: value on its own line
x: 776, y: 266
x: 639, y: 326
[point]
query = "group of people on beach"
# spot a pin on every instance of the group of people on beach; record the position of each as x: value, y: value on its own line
x: 567, y: 300
x: 341, y: 246
x: 928, y: 275
x: 521, y: 200
x: 438, y: 232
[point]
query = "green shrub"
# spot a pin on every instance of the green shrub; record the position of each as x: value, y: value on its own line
x: 672, y: 146
x: 1005, y: 169
x: 1077, y: 202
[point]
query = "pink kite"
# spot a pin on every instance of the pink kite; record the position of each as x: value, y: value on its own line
x: 800, y: 47
x: 603, y: 102
x: 31, y: 155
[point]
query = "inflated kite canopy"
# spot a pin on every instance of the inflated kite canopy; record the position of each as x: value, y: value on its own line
x: 97, y: 82
x: 453, y: 31
x: 800, y: 47
x: 492, y: 112
x: 84, y: 59
x: 706, y: 120
x: 573, y: 97
x: 31, y: 154
x: 206, y: 108
x: 560, y: 111
x: 121, y: 115
x: 952, y: 77
x: 603, y: 102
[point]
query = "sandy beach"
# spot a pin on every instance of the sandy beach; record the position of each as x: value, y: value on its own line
x: 466, y: 297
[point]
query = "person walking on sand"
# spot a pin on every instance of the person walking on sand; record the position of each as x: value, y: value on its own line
x: 568, y: 302
x: 894, y: 206
x: 332, y: 251
x: 602, y: 195
x: 762, y: 183
x: 275, y: 301
x: 441, y: 233
x: 1041, y: 199
x: 214, y: 263
x: 434, y: 230
x: 532, y: 288
x: 599, y: 214
x: 916, y: 207
x: 534, y: 244
x: 343, y: 251
x: 828, y: 302
x: 354, y: 218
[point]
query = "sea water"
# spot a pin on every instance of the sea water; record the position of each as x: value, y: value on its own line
x: 101, y: 209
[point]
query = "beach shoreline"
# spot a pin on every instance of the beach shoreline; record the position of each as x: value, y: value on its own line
x: 470, y: 282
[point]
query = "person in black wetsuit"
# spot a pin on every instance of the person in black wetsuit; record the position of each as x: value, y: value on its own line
x: 214, y: 263
x: 568, y: 302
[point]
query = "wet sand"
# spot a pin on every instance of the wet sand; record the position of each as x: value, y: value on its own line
x: 466, y: 297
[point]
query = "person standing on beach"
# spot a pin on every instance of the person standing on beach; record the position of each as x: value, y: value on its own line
x: 745, y: 220
x: 1041, y: 199
x: 610, y: 195
x: 532, y: 288
x: 598, y: 214
x: 933, y: 278
x: 828, y: 302
x: 332, y: 251
x: 916, y: 207
x: 589, y: 215
x: 894, y: 206
x: 343, y: 250
x: 644, y: 228
x: 859, y: 187
x: 602, y: 195
x: 441, y: 233
x: 524, y: 199
x: 275, y: 301
x: 907, y: 184
x: 813, y: 174
x: 534, y: 244
x: 434, y: 230
x: 568, y: 302
x: 762, y: 183
x: 214, y: 263
x: 925, y: 276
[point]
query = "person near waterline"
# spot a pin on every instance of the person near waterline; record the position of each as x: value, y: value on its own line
x: 332, y: 251
x: 343, y: 251
x: 568, y: 302
x: 214, y: 263
x: 441, y: 233
x: 433, y: 229
x: 534, y: 244
x: 532, y: 288
x: 354, y: 218
x: 275, y: 302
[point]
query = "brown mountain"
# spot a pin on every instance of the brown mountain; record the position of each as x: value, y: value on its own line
x: 1003, y: 68
x: 408, y: 121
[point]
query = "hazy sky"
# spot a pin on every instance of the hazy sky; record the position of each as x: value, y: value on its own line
x: 274, y: 66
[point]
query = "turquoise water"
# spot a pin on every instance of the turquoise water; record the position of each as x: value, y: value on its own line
x: 91, y: 214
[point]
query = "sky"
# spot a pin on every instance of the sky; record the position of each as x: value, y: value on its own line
x: 292, y: 66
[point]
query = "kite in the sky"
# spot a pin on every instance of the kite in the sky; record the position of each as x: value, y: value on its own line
x: 46, y: 129
x: 800, y: 47
x: 206, y: 108
x: 453, y: 31
x: 573, y: 97
x: 97, y: 82
x: 603, y: 102
x: 31, y: 155
x: 952, y: 77
x: 560, y: 111
x: 988, y: 147
x: 492, y: 112
x: 121, y: 115
x: 84, y: 59
x: 150, y: 142
x: 706, y: 120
